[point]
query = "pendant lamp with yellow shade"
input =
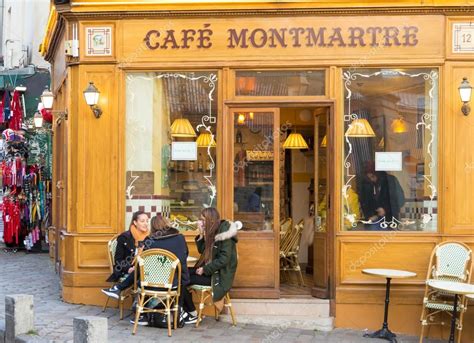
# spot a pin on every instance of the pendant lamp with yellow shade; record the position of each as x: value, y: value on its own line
x: 324, y: 142
x: 241, y: 119
x: 205, y: 140
x: 360, y: 128
x: 399, y: 126
x: 295, y: 141
x: 181, y: 127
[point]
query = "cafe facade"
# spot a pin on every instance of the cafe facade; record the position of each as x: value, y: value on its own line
x: 267, y: 111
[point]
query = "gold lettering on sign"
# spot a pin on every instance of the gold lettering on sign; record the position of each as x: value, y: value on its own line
x: 283, y: 37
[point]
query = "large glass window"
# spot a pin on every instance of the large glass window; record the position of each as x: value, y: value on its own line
x: 390, y: 151
x: 280, y: 83
x: 171, y: 140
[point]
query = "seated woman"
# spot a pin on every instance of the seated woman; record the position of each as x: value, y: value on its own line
x: 127, y: 246
x: 217, y: 245
x: 162, y: 236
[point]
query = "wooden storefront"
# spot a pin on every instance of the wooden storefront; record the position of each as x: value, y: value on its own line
x: 155, y: 36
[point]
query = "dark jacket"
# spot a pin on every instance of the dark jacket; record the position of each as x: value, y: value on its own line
x: 223, y: 265
x: 124, y: 254
x: 390, y: 196
x: 174, y: 242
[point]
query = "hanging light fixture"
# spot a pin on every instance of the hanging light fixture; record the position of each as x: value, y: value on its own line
x: 399, y: 126
x: 324, y: 142
x: 38, y: 120
x: 181, y: 127
x: 241, y: 119
x: 251, y: 115
x: 47, y: 98
x: 205, y: 139
x: 295, y: 141
x: 381, y: 144
x: 360, y: 128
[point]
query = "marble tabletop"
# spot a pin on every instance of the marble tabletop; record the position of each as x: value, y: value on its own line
x: 389, y: 273
x: 452, y: 287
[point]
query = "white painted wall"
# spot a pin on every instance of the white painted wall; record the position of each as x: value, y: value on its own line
x: 24, y: 24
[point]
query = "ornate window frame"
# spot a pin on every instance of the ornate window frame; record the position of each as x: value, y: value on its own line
x: 428, y: 120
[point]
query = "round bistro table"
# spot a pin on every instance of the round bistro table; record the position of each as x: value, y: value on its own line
x: 389, y: 274
x: 456, y: 288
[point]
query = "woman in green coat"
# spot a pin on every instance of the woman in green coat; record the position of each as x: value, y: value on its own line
x: 218, y: 262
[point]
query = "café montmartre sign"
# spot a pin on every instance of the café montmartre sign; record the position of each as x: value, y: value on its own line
x: 284, y: 37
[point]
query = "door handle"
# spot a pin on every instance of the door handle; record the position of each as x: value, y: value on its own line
x: 59, y: 184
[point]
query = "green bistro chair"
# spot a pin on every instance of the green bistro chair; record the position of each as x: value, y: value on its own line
x: 158, y: 269
x: 450, y: 261
x: 126, y: 293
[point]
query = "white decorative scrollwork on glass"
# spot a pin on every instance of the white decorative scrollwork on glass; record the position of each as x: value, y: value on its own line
x: 207, y: 120
x: 425, y: 127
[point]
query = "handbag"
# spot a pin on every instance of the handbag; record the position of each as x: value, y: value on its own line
x: 160, y: 320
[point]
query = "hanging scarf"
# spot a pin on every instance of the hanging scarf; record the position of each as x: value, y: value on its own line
x: 16, y: 112
x: 138, y: 235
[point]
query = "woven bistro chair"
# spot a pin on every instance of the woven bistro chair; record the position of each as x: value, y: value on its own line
x: 285, y: 241
x: 126, y: 293
x: 205, y: 299
x: 285, y: 225
x: 450, y: 261
x: 289, y: 252
x: 158, y: 268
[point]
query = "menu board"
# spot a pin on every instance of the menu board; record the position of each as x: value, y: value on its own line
x: 388, y: 161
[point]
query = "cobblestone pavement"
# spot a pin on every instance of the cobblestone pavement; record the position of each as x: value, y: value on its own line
x: 34, y: 274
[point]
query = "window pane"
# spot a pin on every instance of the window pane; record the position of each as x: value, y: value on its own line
x: 170, y: 144
x: 390, y: 160
x: 280, y: 83
x: 253, y: 169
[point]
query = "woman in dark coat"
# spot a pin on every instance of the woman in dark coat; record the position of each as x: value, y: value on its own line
x: 163, y: 236
x: 127, y: 245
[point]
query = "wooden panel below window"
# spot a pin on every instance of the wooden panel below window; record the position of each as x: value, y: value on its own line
x: 387, y: 251
x: 320, y: 260
x: 256, y: 266
x: 92, y: 253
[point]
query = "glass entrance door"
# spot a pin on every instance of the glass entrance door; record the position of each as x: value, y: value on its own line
x: 256, y: 166
x: 322, y: 242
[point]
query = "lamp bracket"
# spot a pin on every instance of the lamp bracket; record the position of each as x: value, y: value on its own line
x: 62, y: 115
x: 466, y: 109
x: 96, y: 110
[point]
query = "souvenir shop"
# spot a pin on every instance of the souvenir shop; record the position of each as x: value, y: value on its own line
x: 25, y: 172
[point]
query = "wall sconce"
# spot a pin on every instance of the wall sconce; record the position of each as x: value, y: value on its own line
x: 465, y: 90
x: 91, y: 95
x: 38, y: 120
x: 47, y: 98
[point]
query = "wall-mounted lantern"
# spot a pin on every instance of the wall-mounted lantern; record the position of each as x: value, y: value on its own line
x: 465, y: 90
x: 91, y: 95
